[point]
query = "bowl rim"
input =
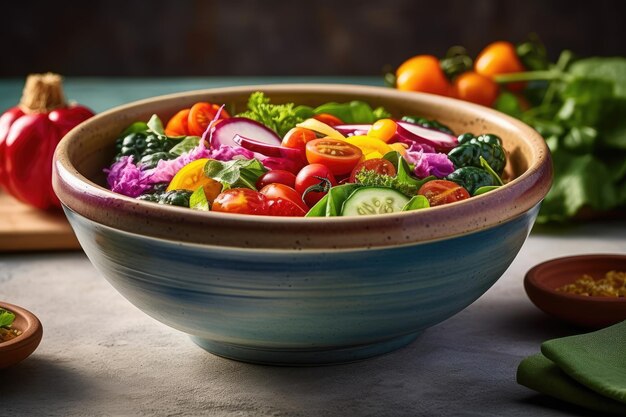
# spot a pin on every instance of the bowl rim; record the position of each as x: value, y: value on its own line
x: 533, y: 278
x: 527, y: 190
x: 32, y: 331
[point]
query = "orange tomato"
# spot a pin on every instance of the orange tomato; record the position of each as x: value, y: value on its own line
x: 499, y: 58
x: 177, y: 125
x: 200, y: 115
x: 471, y: 86
x: 422, y: 73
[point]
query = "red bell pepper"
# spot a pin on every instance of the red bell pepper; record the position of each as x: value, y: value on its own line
x: 29, y: 134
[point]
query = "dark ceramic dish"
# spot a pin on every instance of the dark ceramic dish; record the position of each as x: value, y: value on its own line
x: 588, y: 311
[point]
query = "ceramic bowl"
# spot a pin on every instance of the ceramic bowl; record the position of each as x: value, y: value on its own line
x: 301, y: 290
x: 542, y: 281
x: 19, y: 348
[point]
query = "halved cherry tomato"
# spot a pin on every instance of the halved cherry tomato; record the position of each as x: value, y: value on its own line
x: 284, y: 207
x: 200, y: 116
x: 274, y: 191
x: 328, y: 118
x: 378, y: 165
x: 440, y: 192
x: 241, y: 201
x: 191, y: 176
x: 499, y: 58
x: 476, y: 88
x: 310, y: 175
x: 178, y: 124
x: 278, y: 176
x: 422, y: 73
x: 338, y: 155
x: 298, y: 137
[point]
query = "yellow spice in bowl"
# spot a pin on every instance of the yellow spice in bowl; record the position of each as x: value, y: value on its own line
x: 612, y: 285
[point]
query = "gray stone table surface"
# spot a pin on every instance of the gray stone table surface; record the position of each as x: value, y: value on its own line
x: 101, y: 356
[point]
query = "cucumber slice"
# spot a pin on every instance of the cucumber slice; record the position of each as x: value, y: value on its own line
x: 373, y: 200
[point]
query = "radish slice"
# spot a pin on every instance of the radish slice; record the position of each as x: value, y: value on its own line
x: 225, y: 131
x: 352, y: 129
x: 268, y: 149
x: 442, y: 142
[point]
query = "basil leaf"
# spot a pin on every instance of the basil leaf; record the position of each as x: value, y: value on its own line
x: 6, y: 318
x: 198, y: 200
x: 403, y: 170
x: 185, y: 145
x: 416, y: 202
x: 235, y: 173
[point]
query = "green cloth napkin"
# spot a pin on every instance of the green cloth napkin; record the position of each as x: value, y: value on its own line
x: 588, y: 370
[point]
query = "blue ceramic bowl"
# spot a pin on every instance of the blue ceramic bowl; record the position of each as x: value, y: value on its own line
x: 293, y: 290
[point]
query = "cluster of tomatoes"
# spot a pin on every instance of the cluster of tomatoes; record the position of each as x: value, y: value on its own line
x: 424, y: 73
x: 194, y: 120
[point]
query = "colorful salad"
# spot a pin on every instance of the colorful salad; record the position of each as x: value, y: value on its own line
x: 338, y: 159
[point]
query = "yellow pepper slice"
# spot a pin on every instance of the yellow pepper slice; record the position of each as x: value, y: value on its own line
x: 368, y: 144
x: 383, y: 129
x: 323, y: 128
x: 399, y: 147
x: 191, y: 176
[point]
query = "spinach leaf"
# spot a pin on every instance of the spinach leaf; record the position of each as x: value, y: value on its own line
x: 330, y: 204
x: 137, y: 127
x: 353, y: 112
x: 156, y: 126
x: 416, y: 202
x: 485, y: 189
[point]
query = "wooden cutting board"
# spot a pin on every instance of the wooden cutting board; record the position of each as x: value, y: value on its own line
x: 23, y: 228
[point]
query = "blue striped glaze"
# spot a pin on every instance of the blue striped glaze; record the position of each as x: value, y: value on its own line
x: 302, y: 307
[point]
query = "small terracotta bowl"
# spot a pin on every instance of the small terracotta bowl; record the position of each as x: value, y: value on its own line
x: 588, y: 311
x: 19, y: 348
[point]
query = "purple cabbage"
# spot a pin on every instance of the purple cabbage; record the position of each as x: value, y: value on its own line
x: 428, y: 162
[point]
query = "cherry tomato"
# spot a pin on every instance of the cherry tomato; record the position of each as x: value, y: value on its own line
x: 274, y: 191
x: 383, y: 129
x: 241, y: 201
x: 284, y: 207
x: 200, y: 115
x: 379, y: 165
x: 191, y: 176
x: 422, y: 73
x: 440, y: 192
x: 328, y: 118
x: 178, y: 124
x: 276, y: 176
x: 310, y: 175
x: 471, y: 86
x: 499, y: 58
x: 297, y: 138
x: 338, y: 155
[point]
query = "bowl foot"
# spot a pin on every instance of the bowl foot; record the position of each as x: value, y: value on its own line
x: 303, y: 357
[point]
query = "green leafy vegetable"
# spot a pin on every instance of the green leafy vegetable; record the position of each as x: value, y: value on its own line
x: 278, y: 117
x: 185, y: 145
x: 235, y: 173
x: 198, y: 200
x: 578, y: 107
x: 156, y: 126
x: 417, y: 202
x: 330, y: 204
x: 403, y: 171
x: 472, y: 178
x: 428, y: 124
x: 485, y: 189
x: 353, y: 112
x: 6, y: 318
